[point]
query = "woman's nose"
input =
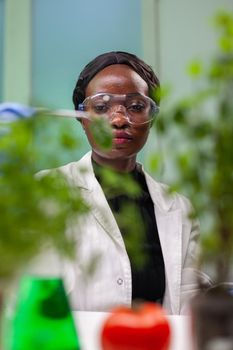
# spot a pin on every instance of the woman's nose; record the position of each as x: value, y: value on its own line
x: 118, y: 117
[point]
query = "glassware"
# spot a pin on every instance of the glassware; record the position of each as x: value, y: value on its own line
x: 41, y: 318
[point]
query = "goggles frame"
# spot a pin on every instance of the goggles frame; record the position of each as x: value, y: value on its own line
x: 82, y: 111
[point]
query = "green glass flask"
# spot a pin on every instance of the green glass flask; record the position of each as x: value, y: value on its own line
x: 42, y: 318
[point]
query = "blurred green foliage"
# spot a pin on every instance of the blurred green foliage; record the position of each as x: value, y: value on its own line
x: 102, y: 132
x: 200, y: 131
x: 34, y: 211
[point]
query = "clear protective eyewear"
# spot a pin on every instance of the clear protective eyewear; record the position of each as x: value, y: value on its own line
x: 137, y: 108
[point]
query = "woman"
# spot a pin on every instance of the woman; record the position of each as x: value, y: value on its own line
x: 121, y: 86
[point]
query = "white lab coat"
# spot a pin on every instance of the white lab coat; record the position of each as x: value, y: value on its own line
x: 99, y: 240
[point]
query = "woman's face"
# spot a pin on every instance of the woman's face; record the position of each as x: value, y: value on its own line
x: 128, y: 139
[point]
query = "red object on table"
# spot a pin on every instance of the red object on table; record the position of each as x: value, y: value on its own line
x: 143, y: 328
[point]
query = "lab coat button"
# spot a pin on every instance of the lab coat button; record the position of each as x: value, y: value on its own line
x: 120, y: 281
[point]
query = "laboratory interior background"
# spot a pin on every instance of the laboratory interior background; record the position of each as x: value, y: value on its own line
x: 44, y: 44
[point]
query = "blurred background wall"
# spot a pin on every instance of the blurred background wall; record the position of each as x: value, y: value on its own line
x: 186, y: 33
x: 44, y: 44
x: 67, y: 34
x: 1, y: 45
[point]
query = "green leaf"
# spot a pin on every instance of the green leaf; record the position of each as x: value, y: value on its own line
x: 195, y: 69
x: 102, y: 132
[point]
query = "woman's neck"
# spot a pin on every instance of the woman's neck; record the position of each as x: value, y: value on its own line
x: 120, y: 165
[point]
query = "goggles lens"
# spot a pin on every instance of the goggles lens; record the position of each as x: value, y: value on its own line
x: 138, y: 108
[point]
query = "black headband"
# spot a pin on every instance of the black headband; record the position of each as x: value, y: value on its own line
x: 107, y: 59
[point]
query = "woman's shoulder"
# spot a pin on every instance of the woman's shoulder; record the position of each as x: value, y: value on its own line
x: 72, y: 171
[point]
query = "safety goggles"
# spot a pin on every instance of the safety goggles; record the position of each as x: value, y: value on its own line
x: 137, y: 108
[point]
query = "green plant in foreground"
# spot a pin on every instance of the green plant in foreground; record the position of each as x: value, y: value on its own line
x: 202, y: 154
x: 35, y: 210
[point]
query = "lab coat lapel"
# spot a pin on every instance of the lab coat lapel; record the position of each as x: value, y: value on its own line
x: 169, y: 223
x: 101, y: 210
x: 103, y: 214
x: 94, y: 196
x: 169, y: 229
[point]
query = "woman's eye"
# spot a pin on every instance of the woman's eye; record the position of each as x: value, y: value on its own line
x: 136, y: 107
x: 100, y: 108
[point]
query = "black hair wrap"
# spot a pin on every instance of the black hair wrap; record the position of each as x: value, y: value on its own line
x: 107, y: 59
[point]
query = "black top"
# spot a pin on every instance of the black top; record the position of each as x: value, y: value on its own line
x: 148, y: 278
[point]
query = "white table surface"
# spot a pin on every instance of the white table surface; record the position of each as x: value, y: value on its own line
x: 89, y: 325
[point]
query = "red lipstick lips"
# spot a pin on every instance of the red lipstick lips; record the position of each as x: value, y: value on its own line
x: 121, y: 137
